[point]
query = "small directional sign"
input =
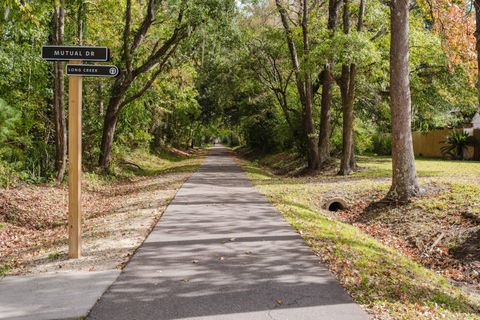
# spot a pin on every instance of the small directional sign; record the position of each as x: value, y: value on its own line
x: 90, y: 70
x: 65, y: 53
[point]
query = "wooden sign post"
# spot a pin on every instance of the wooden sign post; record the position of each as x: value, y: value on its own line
x: 76, y: 70
x: 74, y: 165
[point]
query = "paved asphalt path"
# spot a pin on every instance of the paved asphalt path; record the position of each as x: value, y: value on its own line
x: 221, y: 251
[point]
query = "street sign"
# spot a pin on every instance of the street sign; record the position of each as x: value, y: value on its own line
x: 90, y: 70
x: 76, y: 55
x: 65, y: 53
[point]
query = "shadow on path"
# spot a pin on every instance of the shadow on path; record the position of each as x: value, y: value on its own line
x: 221, y: 251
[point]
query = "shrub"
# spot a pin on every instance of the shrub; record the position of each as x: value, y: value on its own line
x: 382, y: 144
x: 456, y: 143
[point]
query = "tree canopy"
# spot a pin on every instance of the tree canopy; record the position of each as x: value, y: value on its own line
x: 272, y: 75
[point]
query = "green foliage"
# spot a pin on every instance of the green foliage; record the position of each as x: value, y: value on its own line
x: 259, y: 131
x: 9, y: 118
x: 4, y: 269
x: 234, y: 89
x: 456, y: 143
x: 215, y: 83
x: 441, y: 94
x: 168, y: 114
x: 26, y: 148
x: 54, y: 256
x: 355, y: 47
x: 382, y: 144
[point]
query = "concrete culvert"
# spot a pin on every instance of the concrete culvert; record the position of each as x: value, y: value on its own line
x: 336, y: 204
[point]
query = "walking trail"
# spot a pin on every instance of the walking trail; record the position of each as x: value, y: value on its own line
x: 222, y: 251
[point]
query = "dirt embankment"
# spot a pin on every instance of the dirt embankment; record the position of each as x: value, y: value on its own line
x: 118, y: 215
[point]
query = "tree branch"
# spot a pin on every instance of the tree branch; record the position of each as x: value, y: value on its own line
x: 146, y: 23
x: 152, y: 79
x: 178, y: 34
x: 126, y: 34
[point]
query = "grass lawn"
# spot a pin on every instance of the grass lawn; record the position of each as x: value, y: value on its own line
x: 375, y: 166
x: 387, y: 257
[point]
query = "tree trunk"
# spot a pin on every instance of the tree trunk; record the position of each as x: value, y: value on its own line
x: 109, y: 125
x: 326, y: 116
x: 327, y: 92
x: 58, y: 95
x: 404, y: 180
x: 353, y: 159
x: 347, y: 89
x: 313, y: 163
x: 132, y: 68
x: 313, y: 159
x: 304, y: 83
x: 353, y: 72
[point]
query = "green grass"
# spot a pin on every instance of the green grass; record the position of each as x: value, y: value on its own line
x: 141, y: 163
x: 382, y: 167
x: 374, y: 166
x: 4, y: 269
x: 377, y: 276
x: 54, y: 256
x: 2, y: 225
x: 154, y: 164
x: 459, y: 194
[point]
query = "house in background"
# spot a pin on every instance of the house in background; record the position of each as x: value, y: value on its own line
x: 429, y: 144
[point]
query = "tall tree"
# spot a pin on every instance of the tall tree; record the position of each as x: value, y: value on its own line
x: 303, y: 78
x: 328, y: 81
x: 58, y: 93
x: 404, y: 180
x: 134, y: 66
x: 347, y: 92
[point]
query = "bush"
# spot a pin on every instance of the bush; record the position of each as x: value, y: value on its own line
x: 260, y: 132
x: 230, y: 140
x: 382, y: 144
x: 456, y: 143
x: 364, y: 133
x: 8, y: 176
x: 8, y: 120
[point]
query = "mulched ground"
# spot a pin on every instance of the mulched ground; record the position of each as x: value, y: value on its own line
x: 447, y: 242
x: 117, y: 217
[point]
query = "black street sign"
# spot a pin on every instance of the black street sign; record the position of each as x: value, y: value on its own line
x: 91, y: 70
x: 65, y: 53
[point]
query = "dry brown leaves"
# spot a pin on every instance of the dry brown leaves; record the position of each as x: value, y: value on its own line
x: 418, y: 233
x: 34, y: 218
